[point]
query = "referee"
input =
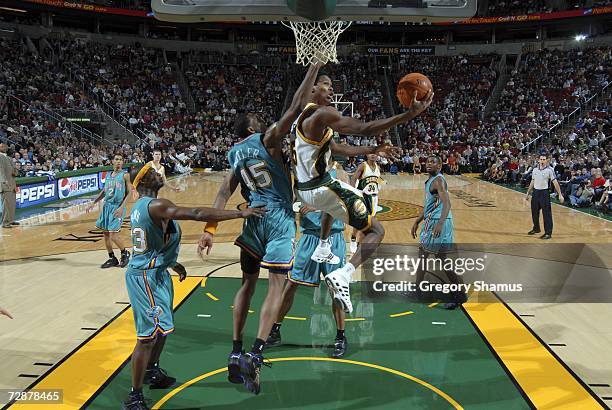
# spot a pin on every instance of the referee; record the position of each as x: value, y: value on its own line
x: 540, y: 178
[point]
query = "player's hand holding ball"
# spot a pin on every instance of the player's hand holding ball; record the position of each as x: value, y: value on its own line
x: 415, y: 92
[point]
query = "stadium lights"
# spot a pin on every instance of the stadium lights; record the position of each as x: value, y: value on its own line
x: 581, y: 37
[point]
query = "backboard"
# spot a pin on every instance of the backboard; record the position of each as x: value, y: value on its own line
x: 426, y: 11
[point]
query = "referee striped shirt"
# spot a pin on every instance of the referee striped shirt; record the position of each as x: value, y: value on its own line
x: 542, y: 176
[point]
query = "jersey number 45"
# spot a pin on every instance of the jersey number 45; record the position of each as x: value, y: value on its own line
x: 256, y: 176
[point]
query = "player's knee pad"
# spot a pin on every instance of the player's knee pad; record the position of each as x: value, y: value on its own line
x: 248, y: 263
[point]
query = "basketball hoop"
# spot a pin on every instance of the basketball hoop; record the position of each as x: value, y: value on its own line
x: 315, y: 41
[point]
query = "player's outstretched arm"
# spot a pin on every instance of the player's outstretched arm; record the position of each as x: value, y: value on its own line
x: 300, y: 99
x: 227, y: 188
x: 164, y: 209
x: 330, y: 117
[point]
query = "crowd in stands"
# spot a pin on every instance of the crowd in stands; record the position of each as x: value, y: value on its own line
x: 581, y: 161
x: 142, y: 91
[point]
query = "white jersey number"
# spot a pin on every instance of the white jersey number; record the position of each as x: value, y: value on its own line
x: 139, y: 240
x: 257, y: 176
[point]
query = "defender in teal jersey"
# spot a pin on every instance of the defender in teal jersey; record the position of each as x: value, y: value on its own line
x: 156, y: 237
x: 258, y: 166
x: 308, y: 272
x: 115, y: 194
x: 437, y: 236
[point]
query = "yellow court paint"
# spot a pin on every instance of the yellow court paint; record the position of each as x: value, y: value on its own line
x: 213, y: 297
x: 410, y: 312
x: 423, y: 383
x: 88, y: 368
x: 545, y: 381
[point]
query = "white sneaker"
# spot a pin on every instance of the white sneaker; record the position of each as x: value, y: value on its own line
x: 338, y: 283
x: 353, y: 247
x: 323, y: 254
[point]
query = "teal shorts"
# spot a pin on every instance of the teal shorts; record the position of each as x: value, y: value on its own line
x: 270, y: 239
x: 151, y: 294
x: 308, y: 272
x: 442, y: 244
x: 107, y: 221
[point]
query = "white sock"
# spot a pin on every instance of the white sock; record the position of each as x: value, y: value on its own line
x: 324, y: 243
x: 348, y: 271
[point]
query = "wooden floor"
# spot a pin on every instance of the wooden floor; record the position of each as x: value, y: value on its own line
x: 51, y: 282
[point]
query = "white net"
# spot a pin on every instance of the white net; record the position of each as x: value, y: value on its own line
x: 315, y: 41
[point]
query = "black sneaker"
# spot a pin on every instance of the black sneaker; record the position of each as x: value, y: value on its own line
x: 125, y: 259
x: 250, y: 368
x: 157, y: 378
x: 533, y: 232
x: 340, y: 346
x: 545, y: 236
x: 110, y: 263
x: 233, y: 368
x: 274, y: 339
x: 134, y: 401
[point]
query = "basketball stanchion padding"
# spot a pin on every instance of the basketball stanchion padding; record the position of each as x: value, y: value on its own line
x: 314, y: 10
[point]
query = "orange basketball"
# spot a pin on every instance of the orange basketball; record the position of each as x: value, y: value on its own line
x: 409, y: 84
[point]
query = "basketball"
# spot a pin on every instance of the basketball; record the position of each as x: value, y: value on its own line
x: 409, y: 84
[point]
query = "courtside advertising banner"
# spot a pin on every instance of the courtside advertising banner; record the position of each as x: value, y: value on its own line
x: 36, y: 194
x: 73, y: 186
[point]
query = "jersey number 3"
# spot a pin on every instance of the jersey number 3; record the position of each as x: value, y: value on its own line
x: 257, y: 176
x: 139, y: 241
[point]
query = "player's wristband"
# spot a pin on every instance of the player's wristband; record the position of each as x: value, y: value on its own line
x: 211, y: 227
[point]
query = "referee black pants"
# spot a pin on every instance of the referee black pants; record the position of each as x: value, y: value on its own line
x: 541, y: 200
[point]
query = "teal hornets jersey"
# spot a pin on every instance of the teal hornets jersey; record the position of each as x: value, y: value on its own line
x: 152, y: 247
x: 311, y: 222
x: 114, y: 188
x: 433, y: 205
x: 263, y: 180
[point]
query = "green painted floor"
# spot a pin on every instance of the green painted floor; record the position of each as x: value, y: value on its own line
x: 452, y: 357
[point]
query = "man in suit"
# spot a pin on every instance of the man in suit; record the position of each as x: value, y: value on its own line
x: 7, y: 188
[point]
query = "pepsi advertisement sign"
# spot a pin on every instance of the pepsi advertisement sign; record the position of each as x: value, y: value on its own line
x: 102, y: 178
x: 35, y: 194
x: 73, y: 186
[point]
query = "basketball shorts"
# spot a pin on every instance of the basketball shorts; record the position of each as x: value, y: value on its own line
x: 443, y: 243
x: 270, y: 239
x: 308, y: 272
x: 107, y: 221
x: 151, y: 294
x: 340, y: 200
